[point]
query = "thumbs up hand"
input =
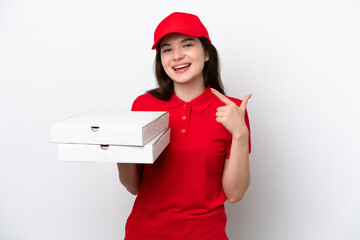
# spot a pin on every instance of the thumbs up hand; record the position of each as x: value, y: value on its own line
x: 232, y: 116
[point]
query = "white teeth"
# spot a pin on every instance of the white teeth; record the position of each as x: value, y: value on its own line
x: 182, y: 66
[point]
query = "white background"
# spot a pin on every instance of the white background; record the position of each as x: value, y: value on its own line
x: 300, y: 59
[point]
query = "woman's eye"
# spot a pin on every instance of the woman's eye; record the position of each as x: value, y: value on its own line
x: 166, y: 50
x: 188, y: 45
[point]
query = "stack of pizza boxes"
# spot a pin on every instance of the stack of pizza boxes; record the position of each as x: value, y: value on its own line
x: 103, y: 136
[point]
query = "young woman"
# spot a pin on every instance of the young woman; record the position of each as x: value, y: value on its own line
x: 182, y: 195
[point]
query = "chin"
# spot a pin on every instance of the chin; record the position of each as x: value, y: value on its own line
x: 182, y: 81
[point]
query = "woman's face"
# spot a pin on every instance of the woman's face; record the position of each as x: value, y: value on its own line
x: 183, y: 58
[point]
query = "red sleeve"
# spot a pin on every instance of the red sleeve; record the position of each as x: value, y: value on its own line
x: 147, y: 102
x: 238, y: 102
x: 136, y: 106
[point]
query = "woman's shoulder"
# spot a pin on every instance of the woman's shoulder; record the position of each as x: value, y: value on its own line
x: 147, y: 102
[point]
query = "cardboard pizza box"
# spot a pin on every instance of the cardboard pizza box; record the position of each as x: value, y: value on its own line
x: 129, y: 128
x: 115, y: 153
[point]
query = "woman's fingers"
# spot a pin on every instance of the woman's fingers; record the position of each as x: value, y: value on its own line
x: 221, y: 109
x: 231, y: 115
x: 220, y: 119
x: 228, y: 102
x: 220, y: 114
x: 222, y: 97
x: 245, y: 101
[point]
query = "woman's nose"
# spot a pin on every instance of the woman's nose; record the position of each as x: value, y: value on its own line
x: 178, y: 54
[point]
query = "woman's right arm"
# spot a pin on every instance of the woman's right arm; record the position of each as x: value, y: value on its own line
x: 130, y: 176
x: 130, y: 173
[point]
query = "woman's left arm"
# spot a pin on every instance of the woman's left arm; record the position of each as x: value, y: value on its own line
x: 236, y: 174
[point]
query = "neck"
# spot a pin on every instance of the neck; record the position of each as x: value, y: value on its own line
x: 189, y: 91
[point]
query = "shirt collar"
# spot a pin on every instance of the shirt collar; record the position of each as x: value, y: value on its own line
x: 199, y: 103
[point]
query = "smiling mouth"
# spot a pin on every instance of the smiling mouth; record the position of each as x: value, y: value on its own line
x: 181, y: 66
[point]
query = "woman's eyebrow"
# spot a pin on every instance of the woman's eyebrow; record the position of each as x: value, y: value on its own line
x: 187, y: 39
x: 164, y: 45
x: 182, y: 41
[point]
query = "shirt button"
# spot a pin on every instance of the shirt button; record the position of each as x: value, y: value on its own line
x: 183, y: 117
x: 184, y: 105
x: 183, y: 130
